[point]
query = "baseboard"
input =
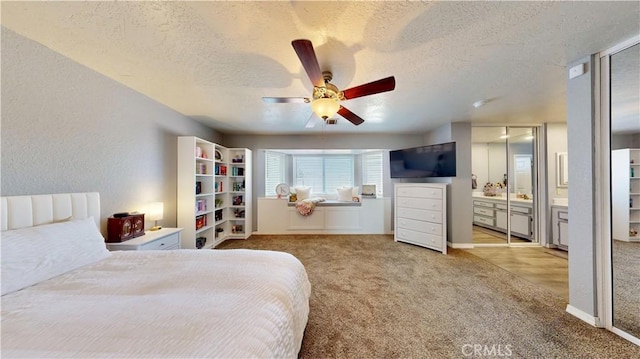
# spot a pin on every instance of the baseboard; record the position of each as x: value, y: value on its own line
x: 460, y: 245
x: 585, y: 317
x: 626, y: 336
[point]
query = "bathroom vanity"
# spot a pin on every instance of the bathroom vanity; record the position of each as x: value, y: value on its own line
x: 491, y: 212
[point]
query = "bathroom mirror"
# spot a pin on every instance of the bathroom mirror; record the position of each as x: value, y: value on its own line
x: 562, y: 166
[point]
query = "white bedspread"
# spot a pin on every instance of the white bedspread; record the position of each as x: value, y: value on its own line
x: 187, y: 304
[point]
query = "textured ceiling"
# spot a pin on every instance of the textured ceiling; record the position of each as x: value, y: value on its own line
x: 214, y: 61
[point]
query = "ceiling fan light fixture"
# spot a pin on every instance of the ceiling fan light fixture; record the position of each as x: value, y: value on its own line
x: 325, y: 107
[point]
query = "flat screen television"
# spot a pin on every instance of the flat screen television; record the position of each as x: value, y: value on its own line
x: 424, y: 161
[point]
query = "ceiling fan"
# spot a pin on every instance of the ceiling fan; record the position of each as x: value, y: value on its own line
x: 326, y: 97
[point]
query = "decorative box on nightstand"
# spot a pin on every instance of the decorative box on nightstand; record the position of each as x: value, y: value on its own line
x: 124, y: 228
x: 162, y: 239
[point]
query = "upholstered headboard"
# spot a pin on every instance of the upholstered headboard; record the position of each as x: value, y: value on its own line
x: 28, y: 211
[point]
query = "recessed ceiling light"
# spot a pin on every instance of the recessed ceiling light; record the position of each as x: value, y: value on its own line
x: 479, y: 103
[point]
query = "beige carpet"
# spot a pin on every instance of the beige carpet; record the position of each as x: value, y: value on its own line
x: 375, y: 298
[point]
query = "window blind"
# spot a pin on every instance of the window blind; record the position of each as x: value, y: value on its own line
x: 324, y: 174
x: 372, y: 170
x: 274, y: 171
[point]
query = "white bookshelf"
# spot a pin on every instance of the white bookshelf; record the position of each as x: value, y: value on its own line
x: 208, y: 178
x: 625, y: 188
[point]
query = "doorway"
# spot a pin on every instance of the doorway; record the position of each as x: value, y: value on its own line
x: 505, y: 185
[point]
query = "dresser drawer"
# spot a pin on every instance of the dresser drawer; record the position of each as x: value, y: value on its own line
x: 421, y: 203
x: 483, y: 204
x: 563, y: 215
x: 407, y: 235
x: 419, y: 214
x: 420, y: 226
x: 483, y: 220
x: 171, y: 241
x: 483, y: 211
x: 520, y: 209
x: 420, y: 192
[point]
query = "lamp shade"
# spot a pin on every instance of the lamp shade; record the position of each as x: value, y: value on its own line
x: 325, y: 107
x: 156, y: 211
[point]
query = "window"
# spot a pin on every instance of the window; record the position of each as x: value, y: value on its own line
x: 324, y: 174
x: 372, y: 170
x: 274, y: 171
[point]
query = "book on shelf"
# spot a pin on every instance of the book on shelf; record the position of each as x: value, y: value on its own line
x: 201, y: 205
x: 218, y: 186
x: 237, y: 171
x: 201, y: 221
x: 221, y: 170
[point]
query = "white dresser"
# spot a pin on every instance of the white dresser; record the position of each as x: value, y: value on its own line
x: 421, y: 214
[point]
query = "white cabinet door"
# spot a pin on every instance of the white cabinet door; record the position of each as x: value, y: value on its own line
x: 313, y: 221
x: 501, y: 220
x: 563, y: 235
x: 342, y: 218
x: 520, y: 224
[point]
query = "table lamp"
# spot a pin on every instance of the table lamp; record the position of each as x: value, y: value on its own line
x: 156, y: 211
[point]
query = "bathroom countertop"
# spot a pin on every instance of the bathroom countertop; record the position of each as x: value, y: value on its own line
x: 503, y: 198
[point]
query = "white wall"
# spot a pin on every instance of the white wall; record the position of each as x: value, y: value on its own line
x: 461, y: 198
x: 497, y: 161
x: 625, y: 141
x: 480, y: 164
x: 556, y: 142
x: 582, y: 237
x: 66, y: 128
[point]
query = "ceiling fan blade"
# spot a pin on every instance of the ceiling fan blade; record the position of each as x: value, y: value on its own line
x: 286, y: 99
x: 313, y: 121
x: 383, y: 85
x: 352, y: 117
x: 309, y: 61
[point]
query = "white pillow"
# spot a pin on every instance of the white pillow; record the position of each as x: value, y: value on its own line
x: 34, y: 254
x: 302, y: 192
x: 345, y: 193
x: 356, y: 191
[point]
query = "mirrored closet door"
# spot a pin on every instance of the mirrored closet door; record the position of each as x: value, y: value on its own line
x: 522, y: 182
x: 504, y: 183
x: 623, y: 71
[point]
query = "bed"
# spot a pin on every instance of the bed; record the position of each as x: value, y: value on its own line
x: 65, y: 295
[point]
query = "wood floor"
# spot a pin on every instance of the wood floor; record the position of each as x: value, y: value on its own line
x: 545, y: 267
x: 488, y: 236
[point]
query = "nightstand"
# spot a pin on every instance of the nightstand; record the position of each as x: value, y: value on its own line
x: 162, y: 239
